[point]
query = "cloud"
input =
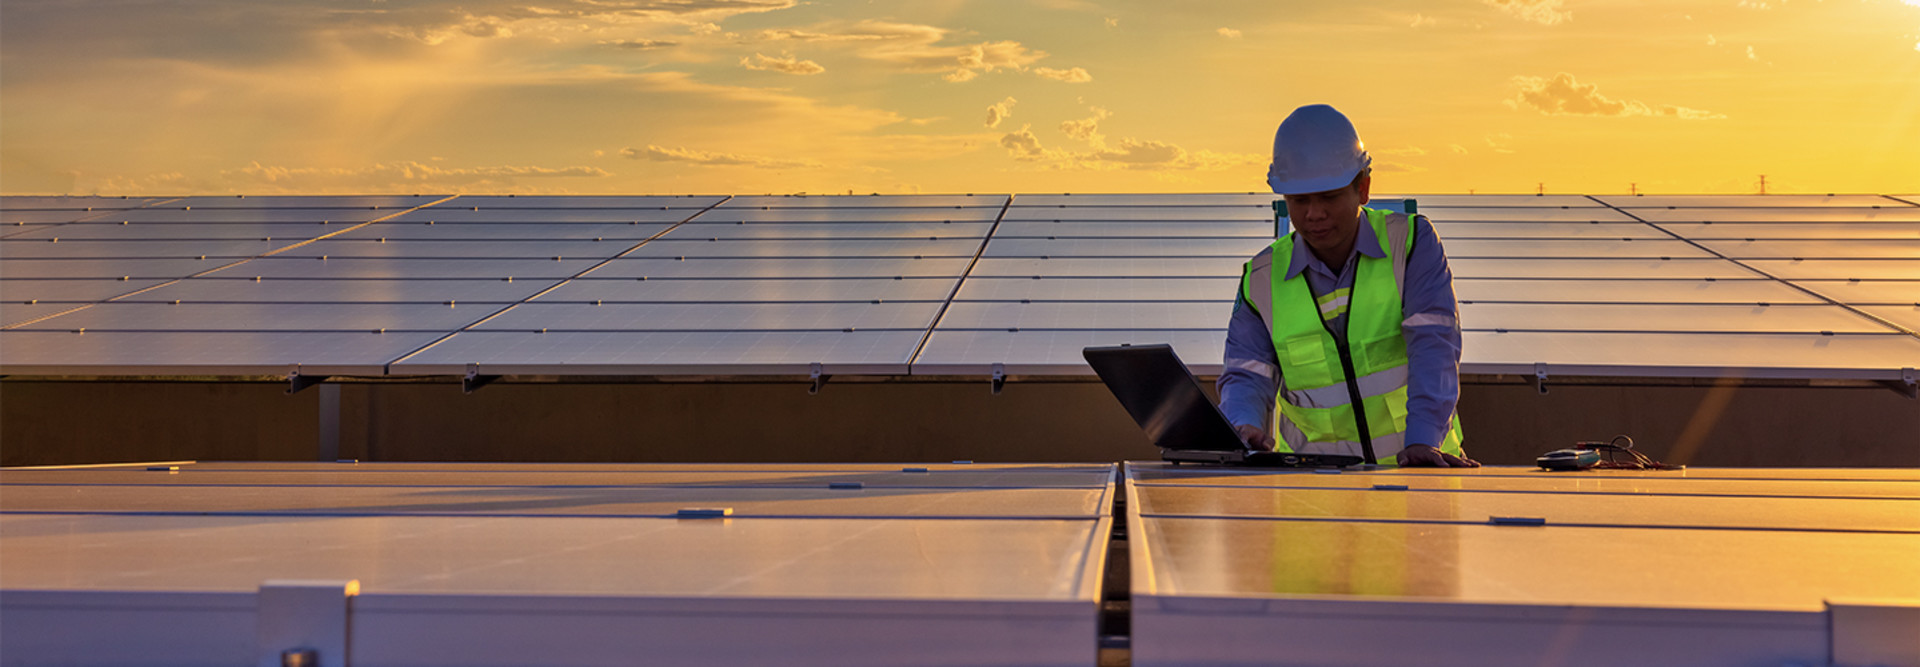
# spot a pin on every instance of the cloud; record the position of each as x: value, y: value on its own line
x: 713, y: 159
x: 1000, y: 111
x: 1228, y: 33
x: 1074, y: 75
x: 1561, y: 95
x: 642, y: 44
x: 405, y: 176
x: 1457, y: 149
x: 1751, y: 55
x: 921, y: 48
x: 1087, y: 129
x: 1420, y: 20
x: 1544, y: 12
x: 1711, y: 41
x: 1415, y: 151
x: 1499, y: 142
x: 1129, y: 153
x: 786, y: 65
x: 1113, y: 22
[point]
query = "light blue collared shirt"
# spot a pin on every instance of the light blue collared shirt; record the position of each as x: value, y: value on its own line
x: 1431, y: 325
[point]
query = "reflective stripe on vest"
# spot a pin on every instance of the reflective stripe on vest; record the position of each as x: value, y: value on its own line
x: 1314, y: 411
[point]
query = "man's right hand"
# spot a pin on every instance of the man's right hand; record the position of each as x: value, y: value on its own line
x: 1255, y: 437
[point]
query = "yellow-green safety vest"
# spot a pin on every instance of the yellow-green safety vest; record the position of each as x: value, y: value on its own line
x: 1324, y: 377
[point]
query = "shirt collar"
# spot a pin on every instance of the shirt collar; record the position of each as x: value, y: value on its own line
x: 1365, y: 243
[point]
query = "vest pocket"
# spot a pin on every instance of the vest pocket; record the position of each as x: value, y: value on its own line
x: 1307, y: 362
x: 1381, y: 353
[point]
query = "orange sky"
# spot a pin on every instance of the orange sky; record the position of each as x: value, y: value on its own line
x: 774, y: 96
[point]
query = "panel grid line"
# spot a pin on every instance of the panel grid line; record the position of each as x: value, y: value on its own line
x: 89, y: 218
x: 558, y: 285
x: 1848, y: 307
x: 229, y: 265
x: 962, y: 282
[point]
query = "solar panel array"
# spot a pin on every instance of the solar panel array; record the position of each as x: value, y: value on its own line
x: 556, y: 564
x: 1790, y: 286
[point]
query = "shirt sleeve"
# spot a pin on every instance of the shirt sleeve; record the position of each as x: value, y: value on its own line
x: 1250, y: 375
x: 1432, y: 330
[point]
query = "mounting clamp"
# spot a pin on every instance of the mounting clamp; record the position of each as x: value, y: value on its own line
x: 474, y: 380
x: 1908, y: 385
x: 819, y: 377
x: 1539, y: 379
x: 999, y: 378
x: 297, y: 382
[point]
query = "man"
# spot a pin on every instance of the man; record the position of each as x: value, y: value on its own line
x: 1344, y: 336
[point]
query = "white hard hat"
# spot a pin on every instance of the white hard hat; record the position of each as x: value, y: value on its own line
x: 1315, y: 150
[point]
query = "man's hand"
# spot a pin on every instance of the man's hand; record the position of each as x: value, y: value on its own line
x: 1426, y: 456
x: 1255, y: 437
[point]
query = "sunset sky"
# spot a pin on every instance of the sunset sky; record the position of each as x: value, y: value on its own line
x: 150, y: 97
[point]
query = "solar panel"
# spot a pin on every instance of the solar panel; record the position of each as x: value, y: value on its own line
x: 433, y: 291
x: 892, y: 212
x: 1843, y: 269
x: 1743, y: 291
x: 1745, y: 201
x: 666, y: 353
x: 1894, y: 292
x: 511, y: 232
x: 1142, y: 213
x: 14, y: 313
x: 1765, y: 355
x: 810, y: 267
x: 1449, y: 231
x: 178, y: 231
x: 1428, y: 201
x: 262, y: 317
x: 1237, y: 248
x: 25, y: 268
x: 1109, y: 267
x: 1208, y: 315
x: 1586, y: 267
x: 547, y: 269
x: 455, y: 213
x: 1585, y: 317
x: 390, y: 203
x: 1193, y: 229
x: 359, y: 248
x: 917, y: 567
x: 1522, y: 214
x: 172, y: 214
x: 69, y: 291
x: 688, y: 203
x: 865, y: 201
x: 1810, y: 214
x: 1097, y: 289
x: 1572, y: 249
x: 752, y: 290
x: 1818, y: 248
x: 1162, y: 200
x: 830, y: 230
x: 203, y: 353
x: 86, y: 249
x: 1056, y: 352
x: 1793, y: 230
x: 676, y: 246
x: 914, y: 316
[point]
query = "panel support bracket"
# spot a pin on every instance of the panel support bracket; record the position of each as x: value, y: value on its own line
x: 296, y: 382
x: 817, y: 374
x: 303, y: 623
x: 1539, y: 379
x: 474, y: 380
x: 1908, y: 385
x: 999, y: 378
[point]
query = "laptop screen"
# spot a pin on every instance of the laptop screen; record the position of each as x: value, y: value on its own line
x: 1163, y: 397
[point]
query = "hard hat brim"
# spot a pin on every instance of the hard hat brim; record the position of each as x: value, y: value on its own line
x: 1311, y: 185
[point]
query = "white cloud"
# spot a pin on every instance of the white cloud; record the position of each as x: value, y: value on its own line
x: 1561, y: 95
x: 1420, y: 20
x: 1113, y: 22
x: 406, y: 176
x: 709, y: 158
x: 1751, y: 55
x: 1129, y: 153
x: 1087, y: 129
x: 1000, y: 111
x: 921, y: 48
x: 1457, y: 149
x: 1228, y: 33
x: 784, y: 65
x: 1544, y: 12
x: 641, y: 44
x: 1073, y: 75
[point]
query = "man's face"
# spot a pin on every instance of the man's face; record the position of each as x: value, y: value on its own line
x: 1329, y: 221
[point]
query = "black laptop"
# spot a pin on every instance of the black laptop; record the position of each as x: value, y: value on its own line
x: 1166, y: 400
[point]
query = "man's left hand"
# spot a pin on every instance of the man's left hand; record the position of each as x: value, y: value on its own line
x: 1426, y: 456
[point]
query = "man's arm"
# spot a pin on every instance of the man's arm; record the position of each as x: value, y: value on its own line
x: 1250, y: 376
x: 1432, y: 329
